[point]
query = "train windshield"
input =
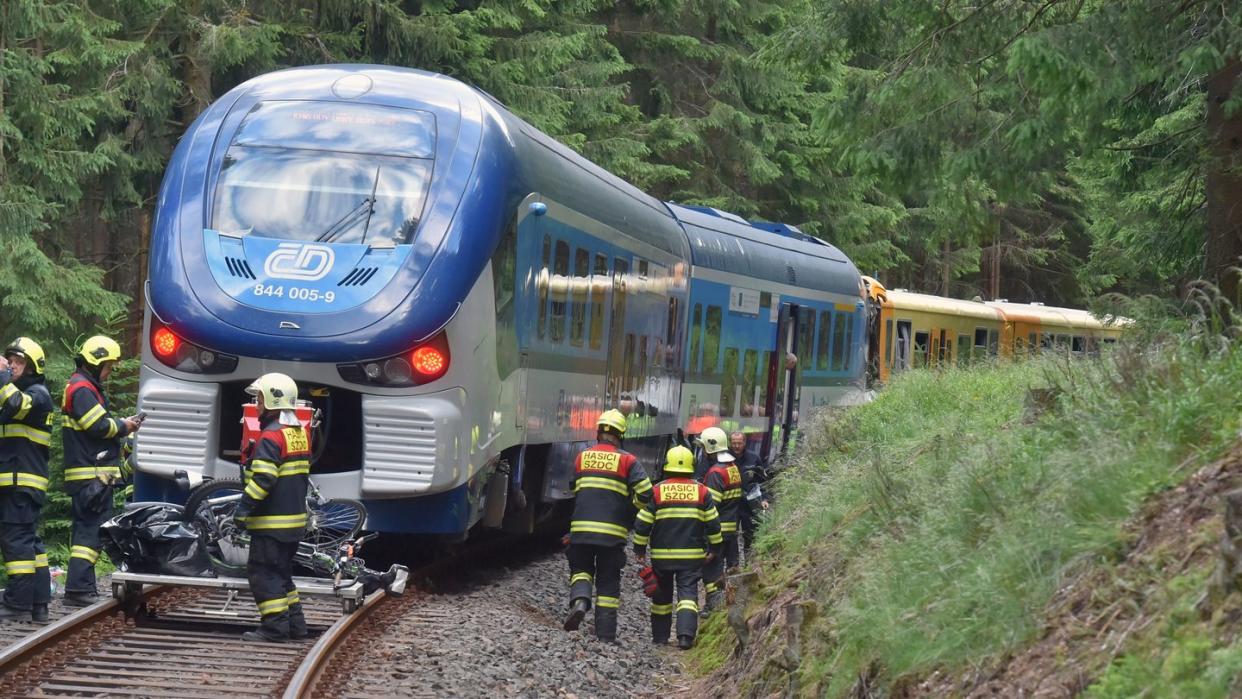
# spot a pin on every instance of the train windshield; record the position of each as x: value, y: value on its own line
x: 311, y: 171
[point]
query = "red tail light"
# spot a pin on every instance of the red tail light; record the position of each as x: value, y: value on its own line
x: 428, y: 361
x: 174, y: 351
x: 165, y: 343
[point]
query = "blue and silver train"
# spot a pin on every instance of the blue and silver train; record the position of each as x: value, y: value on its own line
x: 460, y: 296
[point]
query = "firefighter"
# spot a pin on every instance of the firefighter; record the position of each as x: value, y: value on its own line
x: 92, y: 449
x: 610, y: 485
x: 753, y: 499
x: 25, y: 436
x: 273, y: 508
x: 724, y: 482
x: 681, y: 527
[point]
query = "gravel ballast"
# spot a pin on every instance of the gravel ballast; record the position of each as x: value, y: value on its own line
x: 501, y: 635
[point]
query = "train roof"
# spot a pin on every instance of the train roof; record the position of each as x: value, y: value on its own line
x: 727, y: 245
x: 901, y: 299
x: 1054, y: 316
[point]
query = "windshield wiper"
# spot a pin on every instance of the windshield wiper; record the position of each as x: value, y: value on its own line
x: 344, y: 223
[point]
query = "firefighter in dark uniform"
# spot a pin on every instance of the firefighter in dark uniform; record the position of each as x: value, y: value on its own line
x: 273, y: 508
x: 724, y: 482
x: 754, y: 502
x: 681, y: 528
x: 25, y: 436
x: 92, y: 450
x: 610, y: 485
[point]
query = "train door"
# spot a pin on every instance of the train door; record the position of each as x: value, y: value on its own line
x: 617, y: 359
x: 782, y: 383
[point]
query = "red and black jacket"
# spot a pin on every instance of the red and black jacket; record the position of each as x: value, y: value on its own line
x: 91, y: 437
x: 610, y: 485
x: 680, y: 524
x: 724, y: 481
x: 25, y: 436
x: 277, y: 472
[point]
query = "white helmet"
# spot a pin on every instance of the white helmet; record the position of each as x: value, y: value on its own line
x: 713, y: 440
x: 278, y: 390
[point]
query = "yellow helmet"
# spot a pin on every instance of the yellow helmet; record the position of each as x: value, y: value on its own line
x: 278, y: 390
x: 611, y: 421
x: 31, y: 350
x: 713, y: 440
x: 99, y: 349
x: 679, y: 460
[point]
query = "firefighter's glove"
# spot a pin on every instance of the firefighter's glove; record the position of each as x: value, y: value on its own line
x: 239, y: 518
x: 565, y: 540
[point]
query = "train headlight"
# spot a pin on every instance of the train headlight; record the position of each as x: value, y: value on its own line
x: 174, y: 351
x: 423, y: 364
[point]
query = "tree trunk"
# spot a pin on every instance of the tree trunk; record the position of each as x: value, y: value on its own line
x: 1223, y: 184
x: 946, y: 270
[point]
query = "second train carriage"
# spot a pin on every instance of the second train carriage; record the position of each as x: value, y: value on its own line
x: 911, y: 330
x: 460, y: 295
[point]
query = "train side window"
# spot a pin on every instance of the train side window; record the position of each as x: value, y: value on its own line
x: 922, y: 347
x: 560, y: 292
x: 599, y: 283
x: 980, y: 347
x: 806, y: 354
x: 765, y: 300
x: 993, y: 343
x: 1063, y: 344
x: 904, y: 346
x: 711, y: 339
x: 963, y: 350
x: 1032, y: 343
x: 888, y: 341
x: 504, y: 284
x: 696, y: 337
x: 579, y: 291
x: 627, y: 364
x: 1093, y: 346
x: 750, y: 369
x: 838, y: 341
x: 728, y: 383
x: 1078, y: 344
x: 642, y: 268
x: 847, y: 351
x: 670, y: 339
x: 824, y: 345
x: 640, y: 365
x: 1045, y: 341
x: 764, y: 368
x: 544, y: 290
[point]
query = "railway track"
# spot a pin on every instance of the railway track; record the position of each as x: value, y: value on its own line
x: 185, y: 644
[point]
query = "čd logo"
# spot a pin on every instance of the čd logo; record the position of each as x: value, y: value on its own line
x: 301, y: 261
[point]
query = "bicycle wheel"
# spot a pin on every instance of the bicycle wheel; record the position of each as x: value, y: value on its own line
x: 333, y: 522
x: 208, y: 507
x: 212, y: 495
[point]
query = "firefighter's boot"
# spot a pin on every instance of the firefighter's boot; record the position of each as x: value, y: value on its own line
x: 577, y: 611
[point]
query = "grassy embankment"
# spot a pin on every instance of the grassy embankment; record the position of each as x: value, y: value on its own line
x: 933, y: 526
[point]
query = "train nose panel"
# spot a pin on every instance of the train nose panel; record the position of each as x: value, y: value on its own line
x: 299, y: 277
x: 413, y: 444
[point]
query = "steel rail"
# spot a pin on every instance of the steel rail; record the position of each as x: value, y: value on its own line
x: 308, y: 674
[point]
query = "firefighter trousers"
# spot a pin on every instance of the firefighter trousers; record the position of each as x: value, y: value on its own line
x: 25, y: 559
x: 592, y: 566
x: 269, y: 568
x: 714, y: 572
x: 685, y: 583
x: 84, y: 549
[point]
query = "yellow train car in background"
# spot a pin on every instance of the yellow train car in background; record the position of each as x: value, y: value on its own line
x: 911, y: 330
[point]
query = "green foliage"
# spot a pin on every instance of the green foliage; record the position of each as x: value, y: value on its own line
x: 939, y: 522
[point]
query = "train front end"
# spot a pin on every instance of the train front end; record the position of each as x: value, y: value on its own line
x: 332, y: 223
